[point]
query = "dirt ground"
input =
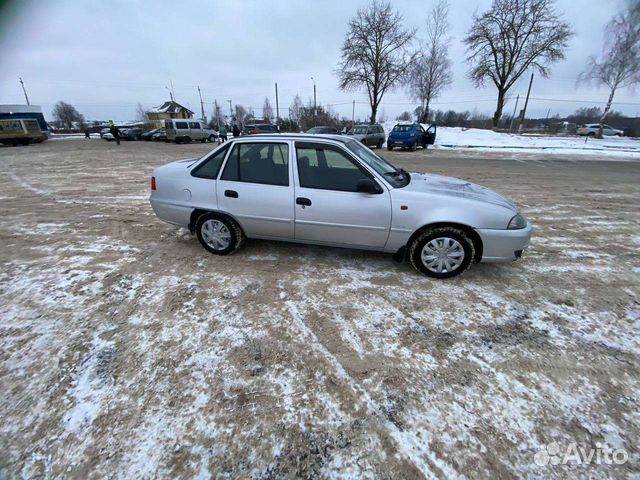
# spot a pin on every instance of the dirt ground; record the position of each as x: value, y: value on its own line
x: 126, y: 350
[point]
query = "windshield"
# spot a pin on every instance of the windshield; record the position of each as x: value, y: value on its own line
x: 359, y: 130
x: 397, y: 178
x: 403, y: 128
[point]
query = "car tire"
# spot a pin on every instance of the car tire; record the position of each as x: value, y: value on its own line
x: 380, y: 143
x: 458, y: 252
x: 591, y: 134
x: 219, y: 234
x: 414, y: 146
x: 212, y: 138
x: 389, y: 147
x: 187, y: 139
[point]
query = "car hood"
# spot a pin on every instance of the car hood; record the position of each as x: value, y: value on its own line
x: 439, y: 184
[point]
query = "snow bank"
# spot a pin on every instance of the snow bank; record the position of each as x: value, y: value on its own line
x: 487, y: 140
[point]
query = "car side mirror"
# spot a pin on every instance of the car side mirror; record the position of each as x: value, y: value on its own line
x: 366, y: 185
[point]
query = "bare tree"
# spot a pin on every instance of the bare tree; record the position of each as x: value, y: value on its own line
x: 241, y: 115
x: 619, y: 66
x: 431, y: 72
x: 267, y: 111
x: 375, y: 52
x: 66, y: 114
x: 141, y: 114
x: 295, y: 110
x: 509, y: 38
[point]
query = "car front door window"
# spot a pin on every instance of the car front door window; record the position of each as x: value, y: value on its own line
x: 326, y: 167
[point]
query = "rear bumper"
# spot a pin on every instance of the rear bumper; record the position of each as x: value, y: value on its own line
x: 504, y: 245
x: 401, y: 142
x: 171, y: 213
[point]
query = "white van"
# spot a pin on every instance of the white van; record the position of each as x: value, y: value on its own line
x: 185, y: 130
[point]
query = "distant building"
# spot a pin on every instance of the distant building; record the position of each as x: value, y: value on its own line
x: 10, y: 112
x: 171, y: 109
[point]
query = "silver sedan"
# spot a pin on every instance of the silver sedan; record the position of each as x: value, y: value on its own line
x: 332, y: 190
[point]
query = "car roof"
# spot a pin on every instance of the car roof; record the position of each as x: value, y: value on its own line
x: 297, y: 136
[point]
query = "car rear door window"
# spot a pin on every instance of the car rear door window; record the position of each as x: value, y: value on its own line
x: 182, y: 125
x: 327, y: 167
x: 266, y: 163
x: 211, y: 166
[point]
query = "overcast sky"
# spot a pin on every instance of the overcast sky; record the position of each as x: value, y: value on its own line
x: 106, y: 56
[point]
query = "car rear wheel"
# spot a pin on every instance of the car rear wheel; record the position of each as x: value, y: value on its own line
x: 441, y: 252
x: 380, y: 143
x: 389, y: 147
x: 414, y: 146
x: 219, y: 234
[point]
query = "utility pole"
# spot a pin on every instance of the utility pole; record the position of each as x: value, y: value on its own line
x: 204, y: 117
x: 277, y: 109
x: 25, y: 91
x: 230, y: 110
x: 514, y: 113
x: 172, y: 90
x: 314, y: 101
x: 524, y: 110
x: 170, y: 94
x: 353, y: 114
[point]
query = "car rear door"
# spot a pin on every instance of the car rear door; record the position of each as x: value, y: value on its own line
x: 255, y: 187
x: 328, y: 208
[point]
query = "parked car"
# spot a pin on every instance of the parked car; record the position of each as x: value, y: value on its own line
x: 259, y: 128
x: 411, y: 135
x: 160, y: 136
x: 132, y: 134
x: 188, y: 130
x: 323, y: 130
x: 103, y: 131
x: 371, y: 135
x: 108, y: 137
x: 591, y: 130
x: 334, y: 191
x: 148, y: 135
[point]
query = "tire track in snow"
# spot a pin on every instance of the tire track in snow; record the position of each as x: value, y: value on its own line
x: 406, y: 442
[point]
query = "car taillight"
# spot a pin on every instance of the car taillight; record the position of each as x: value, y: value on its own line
x: 153, y: 183
x: 412, y: 135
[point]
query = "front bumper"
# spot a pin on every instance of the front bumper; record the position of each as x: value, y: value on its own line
x: 504, y: 245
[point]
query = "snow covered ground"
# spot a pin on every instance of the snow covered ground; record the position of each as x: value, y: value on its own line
x: 127, y: 351
x: 488, y: 140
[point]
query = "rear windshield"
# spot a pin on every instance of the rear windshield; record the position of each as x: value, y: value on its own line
x: 359, y: 130
x: 403, y: 128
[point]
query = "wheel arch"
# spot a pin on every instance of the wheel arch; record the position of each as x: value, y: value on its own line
x: 469, y: 231
x: 197, y: 212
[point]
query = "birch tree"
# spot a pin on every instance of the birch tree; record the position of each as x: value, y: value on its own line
x: 619, y: 64
x: 431, y: 71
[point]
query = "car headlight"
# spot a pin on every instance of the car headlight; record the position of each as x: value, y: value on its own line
x: 517, y: 222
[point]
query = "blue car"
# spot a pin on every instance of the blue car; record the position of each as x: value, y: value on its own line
x: 411, y: 135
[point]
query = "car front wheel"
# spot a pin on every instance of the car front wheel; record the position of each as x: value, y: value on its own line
x: 219, y: 234
x: 442, y: 252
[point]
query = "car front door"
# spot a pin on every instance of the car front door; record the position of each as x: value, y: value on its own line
x: 328, y: 208
x: 255, y: 188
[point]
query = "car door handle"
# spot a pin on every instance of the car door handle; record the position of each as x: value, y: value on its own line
x: 231, y: 193
x: 303, y: 201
